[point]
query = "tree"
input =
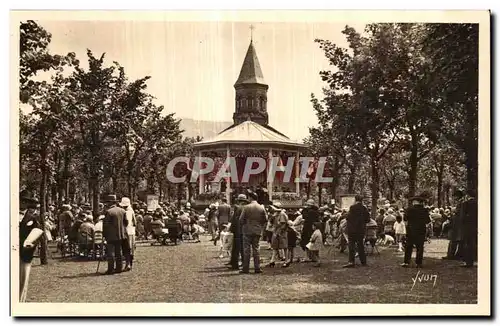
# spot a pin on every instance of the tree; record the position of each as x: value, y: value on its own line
x: 444, y: 167
x: 42, y: 129
x: 364, y: 94
x: 393, y: 168
x: 41, y: 133
x: 454, y: 52
x: 418, y: 135
x: 95, y: 96
x: 34, y: 57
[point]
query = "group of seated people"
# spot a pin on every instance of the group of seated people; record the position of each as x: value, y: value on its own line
x: 74, y: 226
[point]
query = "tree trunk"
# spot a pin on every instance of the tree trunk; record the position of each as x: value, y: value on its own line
x: 333, y: 188
x: 447, y: 194
x: 60, y: 193
x: 179, y: 194
x: 114, y: 181
x: 391, y: 190
x: 440, y: 175
x: 308, y: 192
x: 129, y: 182
x: 94, y: 175
x: 320, y: 193
x: 190, y: 190
x: 351, y: 182
x: 66, y: 176
x: 412, y: 173
x: 374, y: 185
x: 43, y: 194
x: 471, y: 164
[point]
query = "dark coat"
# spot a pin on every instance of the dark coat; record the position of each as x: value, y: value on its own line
x: 469, y: 220
x: 418, y: 218
x: 28, y: 224
x: 224, y: 213
x: 235, y: 220
x: 114, y: 224
x: 357, y: 218
x: 311, y: 216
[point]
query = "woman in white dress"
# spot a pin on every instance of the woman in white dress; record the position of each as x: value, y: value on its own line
x: 130, y: 216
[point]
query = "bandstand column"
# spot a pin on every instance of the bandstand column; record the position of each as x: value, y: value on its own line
x: 201, y: 176
x: 297, y: 173
x: 269, y: 178
x: 228, y: 179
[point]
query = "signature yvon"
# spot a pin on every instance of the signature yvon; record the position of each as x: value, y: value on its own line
x: 424, y: 278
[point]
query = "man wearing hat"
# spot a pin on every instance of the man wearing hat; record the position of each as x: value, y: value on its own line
x: 235, y: 228
x: 253, y: 218
x: 30, y: 232
x: 418, y: 218
x: 114, y: 231
x: 357, y: 218
x: 66, y: 219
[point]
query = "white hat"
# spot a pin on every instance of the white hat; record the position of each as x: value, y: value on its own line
x: 188, y: 204
x: 125, y: 202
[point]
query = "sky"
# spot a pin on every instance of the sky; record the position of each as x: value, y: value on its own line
x: 194, y: 65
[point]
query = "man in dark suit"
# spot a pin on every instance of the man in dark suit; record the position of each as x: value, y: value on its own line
x: 30, y: 231
x: 253, y: 218
x: 237, y: 248
x: 418, y: 218
x: 470, y: 229
x: 114, y: 231
x: 357, y: 218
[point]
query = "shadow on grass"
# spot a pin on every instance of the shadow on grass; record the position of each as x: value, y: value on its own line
x: 82, y: 275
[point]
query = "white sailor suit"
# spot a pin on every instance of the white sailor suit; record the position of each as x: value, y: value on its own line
x: 29, y: 232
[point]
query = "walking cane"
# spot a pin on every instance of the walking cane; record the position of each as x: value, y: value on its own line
x: 98, y: 264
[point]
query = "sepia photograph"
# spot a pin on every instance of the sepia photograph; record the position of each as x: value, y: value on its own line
x: 172, y: 159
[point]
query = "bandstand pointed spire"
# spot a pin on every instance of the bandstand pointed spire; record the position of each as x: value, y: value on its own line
x: 250, y: 72
x: 251, y: 89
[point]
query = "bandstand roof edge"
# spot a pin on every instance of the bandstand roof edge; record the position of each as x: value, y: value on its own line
x: 249, y: 133
x: 241, y: 145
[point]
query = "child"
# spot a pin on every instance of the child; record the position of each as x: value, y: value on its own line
x: 292, y: 237
x: 226, y: 241
x: 315, y: 243
x: 385, y: 239
x: 196, y: 231
x: 400, y: 229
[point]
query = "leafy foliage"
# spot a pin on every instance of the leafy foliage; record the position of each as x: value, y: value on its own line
x: 399, y: 95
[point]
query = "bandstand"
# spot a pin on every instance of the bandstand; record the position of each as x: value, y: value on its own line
x: 251, y: 136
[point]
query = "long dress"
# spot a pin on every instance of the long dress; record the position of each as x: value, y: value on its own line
x: 130, y: 216
x: 280, y: 234
x: 310, y: 215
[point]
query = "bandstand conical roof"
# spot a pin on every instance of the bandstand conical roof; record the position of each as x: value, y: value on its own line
x: 250, y: 72
x: 249, y: 132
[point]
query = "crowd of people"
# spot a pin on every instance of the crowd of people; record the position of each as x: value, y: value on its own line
x: 352, y: 228
x: 308, y: 228
x: 240, y: 227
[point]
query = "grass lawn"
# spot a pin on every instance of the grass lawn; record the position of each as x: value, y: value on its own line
x: 191, y: 272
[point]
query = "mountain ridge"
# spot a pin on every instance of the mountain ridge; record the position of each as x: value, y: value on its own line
x: 202, y: 128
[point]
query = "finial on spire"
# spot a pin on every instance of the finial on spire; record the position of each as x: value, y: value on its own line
x: 251, y: 32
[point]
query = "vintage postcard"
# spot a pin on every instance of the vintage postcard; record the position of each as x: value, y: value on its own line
x: 250, y: 163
